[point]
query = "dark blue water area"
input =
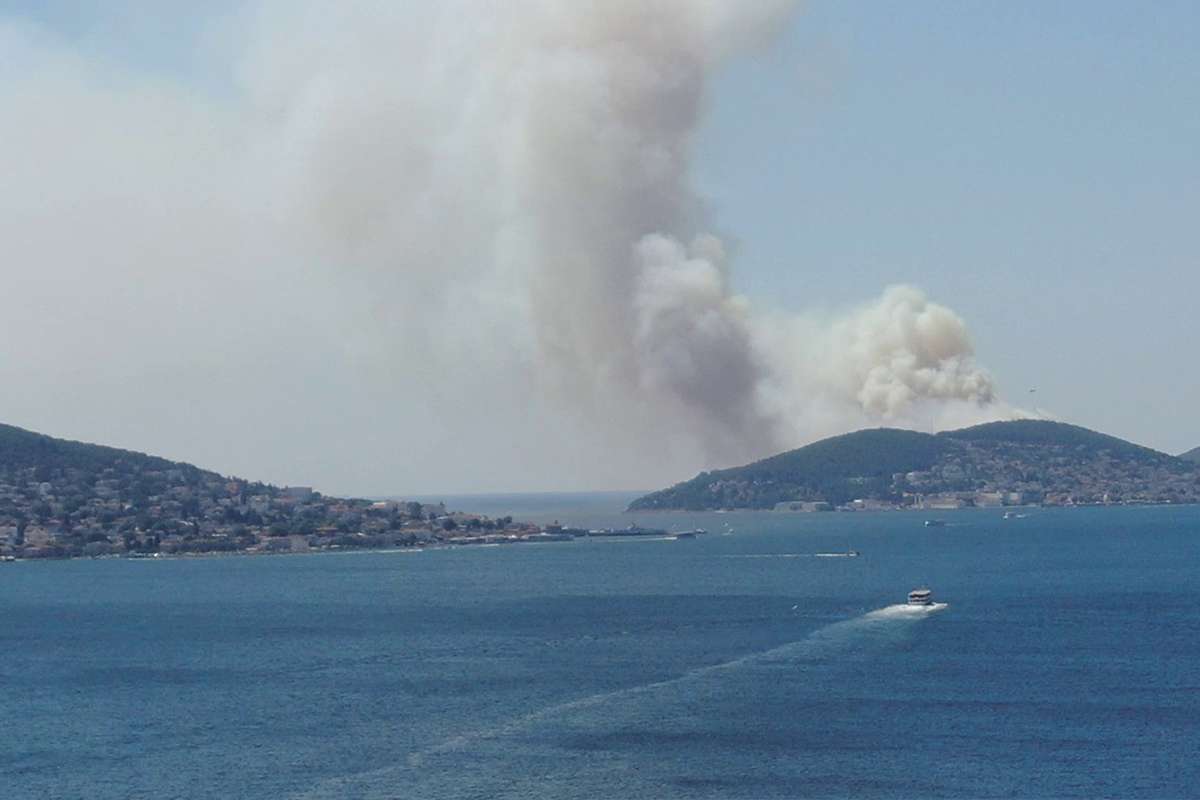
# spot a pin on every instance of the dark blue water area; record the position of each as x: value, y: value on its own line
x: 740, y: 664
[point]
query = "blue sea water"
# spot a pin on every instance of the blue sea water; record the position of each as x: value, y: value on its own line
x: 735, y: 665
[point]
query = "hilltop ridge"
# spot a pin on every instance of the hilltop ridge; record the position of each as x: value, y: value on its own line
x: 997, y: 463
x: 63, y: 498
x: 22, y: 449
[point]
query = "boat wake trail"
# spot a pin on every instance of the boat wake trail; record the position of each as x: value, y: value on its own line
x: 865, y: 633
x: 905, y: 611
x: 886, y: 623
x: 850, y: 554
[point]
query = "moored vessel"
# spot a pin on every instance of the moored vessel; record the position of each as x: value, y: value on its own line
x: 632, y: 530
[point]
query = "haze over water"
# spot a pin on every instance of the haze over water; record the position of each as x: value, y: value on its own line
x: 731, y: 666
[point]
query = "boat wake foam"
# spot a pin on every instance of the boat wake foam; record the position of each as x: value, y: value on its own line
x: 881, y: 626
x: 791, y: 555
x: 821, y: 643
x: 903, y: 610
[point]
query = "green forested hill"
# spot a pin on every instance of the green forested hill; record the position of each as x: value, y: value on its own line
x: 25, y: 450
x: 1060, y: 434
x: 859, y: 463
x: 1041, y: 459
x: 63, y: 498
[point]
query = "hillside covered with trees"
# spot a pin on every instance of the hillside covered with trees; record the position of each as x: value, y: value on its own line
x: 63, y: 498
x: 998, y: 463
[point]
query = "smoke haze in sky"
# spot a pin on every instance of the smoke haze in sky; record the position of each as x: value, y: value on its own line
x: 409, y: 247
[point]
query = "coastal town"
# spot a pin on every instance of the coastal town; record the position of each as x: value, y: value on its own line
x: 981, y: 479
x: 62, y: 499
x: 162, y: 512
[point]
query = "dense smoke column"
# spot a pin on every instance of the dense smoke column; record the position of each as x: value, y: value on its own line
x: 623, y: 314
x: 534, y: 161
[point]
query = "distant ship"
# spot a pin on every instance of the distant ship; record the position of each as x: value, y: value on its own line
x: 846, y: 554
x: 632, y: 530
x: 935, y: 523
x: 920, y: 597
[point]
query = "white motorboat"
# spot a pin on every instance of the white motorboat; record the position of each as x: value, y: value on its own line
x: 920, y: 597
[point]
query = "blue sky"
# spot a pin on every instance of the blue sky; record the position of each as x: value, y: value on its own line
x: 1032, y: 166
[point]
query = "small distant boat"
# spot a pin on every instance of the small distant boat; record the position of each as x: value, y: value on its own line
x: 935, y: 523
x: 920, y: 597
x: 1014, y: 515
x: 692, y: 534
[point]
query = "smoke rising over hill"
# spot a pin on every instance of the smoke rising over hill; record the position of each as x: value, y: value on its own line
x: 454, y: 222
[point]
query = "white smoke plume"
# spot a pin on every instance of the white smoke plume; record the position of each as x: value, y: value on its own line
x: 900, y: 360
x: 903, y: 349
x: 480, y: 215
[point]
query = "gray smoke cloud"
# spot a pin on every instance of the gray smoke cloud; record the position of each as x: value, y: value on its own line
x: 899, y: 360
x: 476, y: 216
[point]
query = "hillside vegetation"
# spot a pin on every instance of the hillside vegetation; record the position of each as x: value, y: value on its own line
x: 1055, y: 434
x: 21, y: 449
x: 62, y: 498
x: 996, y: 463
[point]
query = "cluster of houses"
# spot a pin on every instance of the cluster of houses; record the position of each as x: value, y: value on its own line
x: 1051, y: 476
x: 985, y: 478
x: 179, y: 510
